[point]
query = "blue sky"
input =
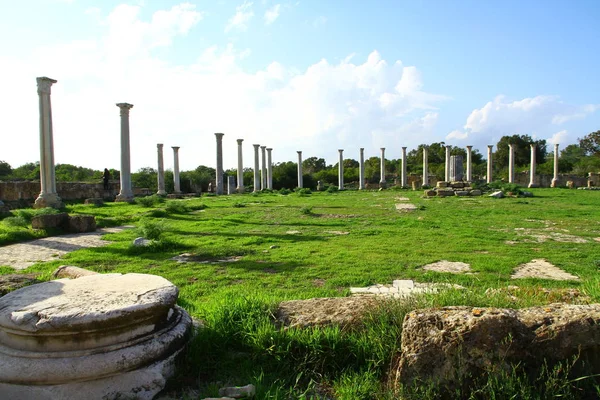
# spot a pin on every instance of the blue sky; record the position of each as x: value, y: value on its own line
x: 302, y: 75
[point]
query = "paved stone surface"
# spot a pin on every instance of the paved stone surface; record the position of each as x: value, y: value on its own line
x: 402, y: 288
x: 22, y: 255
x: 405, y: 207
x: 454, y: 267
x: 542, y: 269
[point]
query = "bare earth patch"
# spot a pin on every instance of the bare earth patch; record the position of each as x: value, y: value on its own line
x: 541, y: 269
x: 454, y: 267
x: 405, y: 207
x: 22, y: 255
x: 293, y: 232
x: 189, y: 257
x: 337, y: 232
x: 402, y: 199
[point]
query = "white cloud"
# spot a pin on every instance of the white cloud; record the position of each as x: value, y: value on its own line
x: 534, y: 116
x: 559, y: 137
x: 367, y: 103
x: 272, y: 14
x: 319, y: 21
x: 243, y: 15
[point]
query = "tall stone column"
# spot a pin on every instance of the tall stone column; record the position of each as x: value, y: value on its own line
x: 382, y: 169
x: 256, y: 168
x: 447, y: 169
x: 269, y: 169
x: 403, y: 178
x: 425, y: 166
x: 125, y: 194
x: 240, y: 169
x: 219, y: 173
x: 469, y: 164
x: 176, y: 181
x: 532, y: 182
x: 263, y: 170
x: 555, y: 177
x: 489, y: 171
x: 341, y: 170
x: 511, y: 163
x: 161, y: 171
x: 48, y: 196
x: 300, y: 178
x: 361, y: 169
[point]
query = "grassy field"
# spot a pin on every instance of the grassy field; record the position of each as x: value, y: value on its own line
x: 297, y: 246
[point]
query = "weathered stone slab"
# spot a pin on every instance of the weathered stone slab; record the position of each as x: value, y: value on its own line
x: 82, y: 223
x: 323, y: 311
x: 69, y: 271
x: 457, y: 344
x: 542, y: 269
x: 50, y: 221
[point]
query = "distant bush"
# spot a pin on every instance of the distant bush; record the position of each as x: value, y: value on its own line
x: 332, y: 189
x: 239, y: 204
x: 148, y: 201
x: 285, y: 191
x: 197, y: 207
x: 151, y: 229
x: 176, y: 207
x: 306, y: 210
x: 303, y: 192
x: 16, y: 221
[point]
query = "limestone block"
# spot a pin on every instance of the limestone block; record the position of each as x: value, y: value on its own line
x: 497, y: 195
x: 442, y: 184
x: 475, y: 192
x: 50, y: 221
x: 68, y: 271
x: 461, y: 193
x: 430, y: 193
x: 82, y: 223
x: 457, y: 185
x: 141, y: 242
x: 458, y: 344
x: 445, y: 193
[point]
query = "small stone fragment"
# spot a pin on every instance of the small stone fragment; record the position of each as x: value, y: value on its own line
x: 69, y: 271
x: 238, y: 392
x: 141, y: 242
x: 497, y: 195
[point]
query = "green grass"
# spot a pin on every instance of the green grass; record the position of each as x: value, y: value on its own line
x: 241, y: 345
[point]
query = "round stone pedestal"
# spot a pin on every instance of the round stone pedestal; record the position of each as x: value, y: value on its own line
x: 100, y: 336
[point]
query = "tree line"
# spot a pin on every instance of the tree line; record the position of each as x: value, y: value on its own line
x: 577, y: 159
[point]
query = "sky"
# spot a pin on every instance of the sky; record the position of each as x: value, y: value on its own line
x: 309, y: 75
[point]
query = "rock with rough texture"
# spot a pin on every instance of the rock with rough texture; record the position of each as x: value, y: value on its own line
x: 141, y: 242
x: 50, y: 221
x: 454, y: 345
x: 69, y: 271
x: 11, y: 282
x: 445, y: 193
x: 461, y: 193
x: 430, y: 192
x: 105, y: 335
x: 498, y: 194
x: 476, y: 192
x: 82, y: 223
x: 238, y: 392
x: 342, y: 311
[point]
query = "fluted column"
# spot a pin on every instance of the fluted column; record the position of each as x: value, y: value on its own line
x: 176, y: 181
x: 263, y: 170
x: 382, y: 169
x: 240, y: 169
x: 532, y: 182
x: 341, y: 170
x: 425, y: 166
x: 161, y: 171
x: 511, y: 163
x: 48, y: 196
x: 361, y: 169
x: 469, y: 164
x: 555, y: 177
x: 256, y: 168
x: 300, y: 178
x: 403, y: 178
x: 269, y: 169
x: 489, y: 164
x: 447, y: 169
x: 125, y: 194
x: 219, y: 172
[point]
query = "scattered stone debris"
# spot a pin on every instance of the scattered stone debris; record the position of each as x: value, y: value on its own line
x: 402, y: 288
x: 453, y: 267
x: 402, y: 199
x: 405, y: 207
x: 141, y: 242
x: 541, y: 269
x: 194, y: 258
x: 497, y: 195
x: 273, y: 246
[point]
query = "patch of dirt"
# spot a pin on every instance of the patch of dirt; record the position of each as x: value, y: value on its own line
x: 597, y: 239
x: 269, y: 270
x: 405, y: 207
x: 189, y: 258
x: 541, y: 235
x: 568, y: 295
x: 318, y: 282
x: 454, y: 267
x: 402, y: 199
x: 337, y: 232
x: 541, y: 269
x: 293, y: 233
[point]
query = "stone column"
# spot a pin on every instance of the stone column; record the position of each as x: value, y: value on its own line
x: 219, y: 173
x: 240, y: 170
x: 125, y: 194
x: 425, y: 166
x: 403, y: 178
x: 555, y: 177
x: 469, y: 164
x: 447, y: 169
x: 269, y: 170
x: 300, y: 178
x: 230, y: 184
x: 382, y: 169
x: 48, y: 196
x: 532, y: 182
x: 263, y: 171
x: 161, y: 171
x: 176, y: 182
x: 511, y: 163
x: 361, y: 169
x: 341, y: 170
x: 489, y: 164
x: 256, y: 168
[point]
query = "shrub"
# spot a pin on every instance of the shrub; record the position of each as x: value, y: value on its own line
x: 16, y: 221
x: 285, y: 191
x: 332, y: 189
x: 306, y: 210
x: 239, y: 204
x: 177, y: 207
x: 304, y: 192
x: 150, y: 229
x: 149, y: 201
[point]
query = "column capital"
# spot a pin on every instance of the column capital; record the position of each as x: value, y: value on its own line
x: 219, y: 135
x: 556, y: 145
x: 263, y: 147
x: 469, y: 147
x: 159, y: 145
x: 256, y: 146
x: 269, y: 148
x: 382, y: 148
x: 490, y: 146
x: 239, y: 141
x: 362, y: 149
x: 299, y: 151
x: 125, y: 107
x: 44, y: 83
x: 341, y: 150
x: 403, y: 147
x: 175, y: 148
x: 533, y: 146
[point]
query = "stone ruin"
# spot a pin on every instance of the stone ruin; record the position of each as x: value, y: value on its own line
x: 102, y: 336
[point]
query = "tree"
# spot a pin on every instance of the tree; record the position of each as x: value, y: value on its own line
x: 522, y: 151
x: 285, y: 175
x: 27, y: 171
x: 145, y: 178
x: 5, y: 169
x: 590, y: 143
x: 313, y: 165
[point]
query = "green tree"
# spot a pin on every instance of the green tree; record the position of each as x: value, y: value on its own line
x: 27, y: 171
x: 313, y: 165
x: 522, y: 151
x: 590, y: 143
x: 5, y: 169
x: 145, y: 178
x: 285, y: 175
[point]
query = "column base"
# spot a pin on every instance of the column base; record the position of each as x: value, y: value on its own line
x: 382, y: 184
x: 48, y: 200
x: 533, y: 185
x: 124, y: 198
x: 240, y: 190
x: 161, y: 193
x: 554, y: 183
